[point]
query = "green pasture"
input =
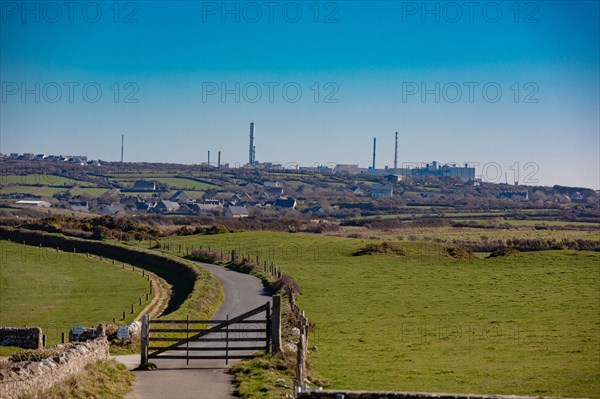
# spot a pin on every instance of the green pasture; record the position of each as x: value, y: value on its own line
x: 175, y: 183
x: 42, y: 191
x: 48, y: 180
x: 526, y: 324
x: 56, y: 290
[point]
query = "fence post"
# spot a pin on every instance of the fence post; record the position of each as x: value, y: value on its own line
x: 144, y: 344
x: 276, y: 325
x: 187, y: 343
x: 299, y: 383
x: 227, y: 342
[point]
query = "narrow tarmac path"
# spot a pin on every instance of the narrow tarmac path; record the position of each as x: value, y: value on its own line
x: 202, y: 379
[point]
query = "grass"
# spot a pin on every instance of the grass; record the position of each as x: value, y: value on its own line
x: 41, y: 191
x: 525, y: 324
x: 263, y: 377
x: 448, y: 234
x: 58, y: 290
x: 48, y: 180
x: 175, y: 183
x: 105, y: 379
x: 549, y: 223
x: 93, y: 191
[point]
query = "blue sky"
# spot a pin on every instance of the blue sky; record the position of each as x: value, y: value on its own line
x: 362, y: 68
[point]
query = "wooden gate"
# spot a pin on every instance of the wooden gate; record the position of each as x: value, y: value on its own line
x: 235, y: 338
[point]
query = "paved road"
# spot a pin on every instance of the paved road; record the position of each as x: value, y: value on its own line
x: 202, y: 378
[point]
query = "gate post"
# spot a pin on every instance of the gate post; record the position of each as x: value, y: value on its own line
x: 276, y: 325
x: 144, y: 345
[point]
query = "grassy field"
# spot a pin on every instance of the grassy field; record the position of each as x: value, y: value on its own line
x: 449, y: 234
x: 49, y: 180
x: 42, y: 191
x: 175, y: 183
x: 58, y: 290
x: 524, y: 324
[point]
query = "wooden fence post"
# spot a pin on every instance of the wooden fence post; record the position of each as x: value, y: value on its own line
x: 144, y: 345
x: 276, y: 325
x: 300, y: 371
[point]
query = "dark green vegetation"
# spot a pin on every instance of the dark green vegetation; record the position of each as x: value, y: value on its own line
x: 58, y: 290
x: 524, y: 323
x: 105, y: 379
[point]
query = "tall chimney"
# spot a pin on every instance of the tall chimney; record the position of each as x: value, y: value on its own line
x: 374, y: 150
x: 219, y: 160
x: 208, y: 163
x: 396, y: 153
x: 251, y: 158
x: 122, y: 143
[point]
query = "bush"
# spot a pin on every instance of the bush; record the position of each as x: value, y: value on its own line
x: 504, y: 251
x: 460, y: 252
x: 380, y: 248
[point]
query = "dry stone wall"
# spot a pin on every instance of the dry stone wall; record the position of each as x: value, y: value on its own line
x: 30, y: 378
x: 26, y: 337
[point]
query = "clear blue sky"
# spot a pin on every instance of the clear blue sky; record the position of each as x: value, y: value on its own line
x: 373, y: 59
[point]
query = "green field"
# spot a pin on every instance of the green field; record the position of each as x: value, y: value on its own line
x: 526, y: 324
x: 57, y: 290
x: 175, y: 183
x: 48, y: 180
x: 449, y: 234
x: 42, y: 191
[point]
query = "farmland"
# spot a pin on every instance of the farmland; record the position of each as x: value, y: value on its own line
x: 57, y: 290
x: 520, y: 324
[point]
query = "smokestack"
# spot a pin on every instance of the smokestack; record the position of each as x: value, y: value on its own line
x: 396, y: 153
x: 374, y: 150
x: 122, y: 143
x: 208, y: 158
x: 251, y: 158
x: 219, y: 160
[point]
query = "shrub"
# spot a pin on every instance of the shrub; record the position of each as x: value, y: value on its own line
x: 460, y: 252
x: 380, y: 248
x: 504, y: 251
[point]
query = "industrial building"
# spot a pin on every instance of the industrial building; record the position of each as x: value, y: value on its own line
x: 465, y: 173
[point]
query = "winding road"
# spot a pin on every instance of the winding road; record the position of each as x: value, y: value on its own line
x: 173, y: 379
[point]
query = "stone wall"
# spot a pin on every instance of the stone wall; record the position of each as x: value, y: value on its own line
x: 29, y: 378
x: 398, y: 395
x: 26, y: 337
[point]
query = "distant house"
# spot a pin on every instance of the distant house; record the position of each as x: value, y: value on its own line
x: 181, y: 197
x: 164, y: 206
x: 130, y: 202
x: 142, y: 206
x: 213, y: 202
x: 356, y: 190
x: 142, y: 185
x: 40, y: 204
x: 347, y: 169
x: 79, y: 208
x: 285, y: 203
x: 236, y: 212
x: 112, y: 210
x: 248, y: 186
x: 393, y: 178
x: 379, y: 191
x: 274, y: 191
